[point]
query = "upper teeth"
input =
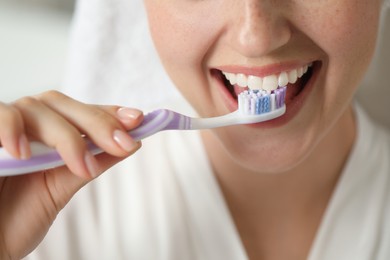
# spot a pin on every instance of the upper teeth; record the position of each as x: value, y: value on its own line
x: 268, y: 83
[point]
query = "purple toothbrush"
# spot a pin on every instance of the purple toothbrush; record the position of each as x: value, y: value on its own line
x: 254, y: 107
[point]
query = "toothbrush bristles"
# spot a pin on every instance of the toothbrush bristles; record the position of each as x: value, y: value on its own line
x: 256, y: 102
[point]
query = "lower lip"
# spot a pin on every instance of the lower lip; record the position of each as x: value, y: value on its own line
x: 292, y: 107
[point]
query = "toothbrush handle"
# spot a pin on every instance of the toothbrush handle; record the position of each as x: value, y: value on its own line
x: 44, y: 157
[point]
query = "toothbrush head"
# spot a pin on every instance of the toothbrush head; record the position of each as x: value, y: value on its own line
x: 256, y: 102
x: 254, y: 106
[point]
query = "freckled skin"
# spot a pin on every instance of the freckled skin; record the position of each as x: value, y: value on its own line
x: 198, y: 35
x: 276, y: 214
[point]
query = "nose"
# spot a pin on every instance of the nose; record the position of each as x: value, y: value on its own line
x: 258, y: 27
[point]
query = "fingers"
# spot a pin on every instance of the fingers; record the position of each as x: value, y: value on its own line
x: 30, y: 203
x: 59, y: 122
x: 129, y: 117
x: 50, y: 128
x: 106, y: 126
x: 12, y: 136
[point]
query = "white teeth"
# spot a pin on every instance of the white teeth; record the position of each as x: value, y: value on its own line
x: 292, y: 76
x: 305, y: 68
x: 300, y: 72
x: 242, y: 80
x: 233, y: 78
x: 255, y: 82
x: 283, y: 79
x: 268, y: 83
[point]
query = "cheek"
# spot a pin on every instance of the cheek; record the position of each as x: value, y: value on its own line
x: 346, y: 33
x: 345, y: 30
x: 183, y: 32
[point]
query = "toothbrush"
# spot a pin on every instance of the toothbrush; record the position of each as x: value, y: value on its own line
x: 254, y: 106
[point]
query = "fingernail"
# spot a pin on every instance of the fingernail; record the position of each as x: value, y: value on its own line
x: 24, y: 147
x: 128, y: 113
x: 92, y: 164
x: 124, y: 140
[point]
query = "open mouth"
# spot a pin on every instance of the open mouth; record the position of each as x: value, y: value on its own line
x: 295, y: 80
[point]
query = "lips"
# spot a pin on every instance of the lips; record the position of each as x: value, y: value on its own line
x: 297, y: 89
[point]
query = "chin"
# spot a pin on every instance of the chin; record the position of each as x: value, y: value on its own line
x: 266, y: 154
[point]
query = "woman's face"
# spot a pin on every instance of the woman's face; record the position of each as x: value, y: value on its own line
x: 198, y: 40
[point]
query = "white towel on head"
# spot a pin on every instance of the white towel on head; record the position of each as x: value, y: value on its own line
x: 113, y: 61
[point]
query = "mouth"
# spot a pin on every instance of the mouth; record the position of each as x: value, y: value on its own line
x: 298, y: 81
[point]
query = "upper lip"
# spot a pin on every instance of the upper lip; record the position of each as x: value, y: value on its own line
x: 263, y: 71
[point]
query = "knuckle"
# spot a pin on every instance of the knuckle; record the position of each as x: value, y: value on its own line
x: 52, y: 95
x: 101, y: 117
x: 25, y: 102
x: 111, y: 109
x: 9, y: 115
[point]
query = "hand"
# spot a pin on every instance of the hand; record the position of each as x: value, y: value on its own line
x: 29, y: 203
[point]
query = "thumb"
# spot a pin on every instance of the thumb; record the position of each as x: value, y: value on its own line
x: 40, y: 196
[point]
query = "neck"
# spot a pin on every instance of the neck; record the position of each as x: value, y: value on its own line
x: 262, y: 199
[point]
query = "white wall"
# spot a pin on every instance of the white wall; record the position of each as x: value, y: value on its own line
x: 33, y: 46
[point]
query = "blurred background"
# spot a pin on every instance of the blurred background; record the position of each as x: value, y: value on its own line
x: 33, y: 45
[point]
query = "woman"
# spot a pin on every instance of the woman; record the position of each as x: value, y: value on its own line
x: 293, y: 188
